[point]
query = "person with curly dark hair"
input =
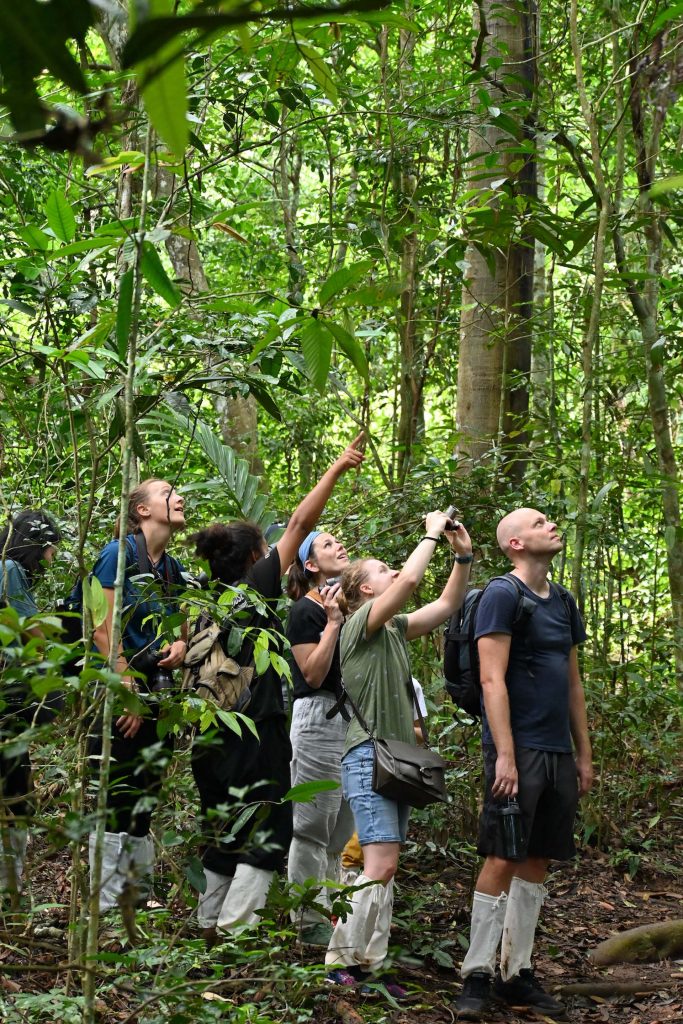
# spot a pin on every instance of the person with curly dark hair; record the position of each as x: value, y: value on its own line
x: 239, y: 873
x: 28, y: 545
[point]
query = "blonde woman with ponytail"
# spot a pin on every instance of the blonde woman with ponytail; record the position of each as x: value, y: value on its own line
x: 375, y: 665
x: 155, y: 513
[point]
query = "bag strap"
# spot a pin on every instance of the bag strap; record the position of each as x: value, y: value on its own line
x: 416, y: 705
x: 145, y: 567
x: 364, y: 725
x: 339, y: 706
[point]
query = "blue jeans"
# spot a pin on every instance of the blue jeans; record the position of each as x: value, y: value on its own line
x: 377, y: 819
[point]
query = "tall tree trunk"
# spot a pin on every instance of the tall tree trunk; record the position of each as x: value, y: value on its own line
x: 497, y: 298
x: 591, y: 333
x: 649, y: 104
x: 405, y: 179
x: 237, y: 415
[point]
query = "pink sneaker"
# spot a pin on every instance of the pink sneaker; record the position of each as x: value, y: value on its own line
x: 340, y: 976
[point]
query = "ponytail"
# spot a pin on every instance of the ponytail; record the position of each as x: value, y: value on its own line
x: 350, y: 598
x: 298, y: 580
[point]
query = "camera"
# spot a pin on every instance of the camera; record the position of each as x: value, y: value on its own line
x: 329, y: 583
x: 452, y: 523
x: 159, y: 678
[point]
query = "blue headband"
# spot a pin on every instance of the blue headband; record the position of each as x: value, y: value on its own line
x: 305, y: 548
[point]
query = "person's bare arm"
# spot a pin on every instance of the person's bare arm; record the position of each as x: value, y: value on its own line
x: 392, y: 600
x: 128, y: 725
x: 578, y: 724
x: 315, y: 660
x: 307, y: 513
x: 425, y: 619
x: 494, y: 654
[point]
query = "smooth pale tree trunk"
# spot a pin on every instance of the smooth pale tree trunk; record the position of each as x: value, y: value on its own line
x: 237, y: 414
x: 497, y: 296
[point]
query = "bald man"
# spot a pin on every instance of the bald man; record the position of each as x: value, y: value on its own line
x: 536, y: 748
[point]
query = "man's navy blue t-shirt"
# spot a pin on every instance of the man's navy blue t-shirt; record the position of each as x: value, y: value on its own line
x: 140, y: 600
x: 537, y: 676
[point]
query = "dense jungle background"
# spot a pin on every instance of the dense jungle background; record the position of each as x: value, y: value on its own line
x: 236, y: 233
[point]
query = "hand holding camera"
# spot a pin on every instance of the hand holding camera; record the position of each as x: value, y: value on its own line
x: 329, y: 591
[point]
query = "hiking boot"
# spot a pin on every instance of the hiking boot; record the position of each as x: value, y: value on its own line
x: 316, y: 934
x: 474, y: 1000
x: 526, y: 990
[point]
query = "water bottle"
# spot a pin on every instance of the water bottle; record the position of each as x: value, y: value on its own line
x: 511, y: 830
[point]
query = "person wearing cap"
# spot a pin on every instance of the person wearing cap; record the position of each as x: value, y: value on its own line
x: 239, y: 873
x: 28, y: 545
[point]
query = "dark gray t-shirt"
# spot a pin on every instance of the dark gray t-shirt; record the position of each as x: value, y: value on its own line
x: 537, y: 676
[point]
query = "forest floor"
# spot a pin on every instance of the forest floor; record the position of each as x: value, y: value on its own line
x: 588, y: 900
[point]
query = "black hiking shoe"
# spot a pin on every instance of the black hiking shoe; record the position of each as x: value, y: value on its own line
x: 526, y: 990
x: 475, y: 998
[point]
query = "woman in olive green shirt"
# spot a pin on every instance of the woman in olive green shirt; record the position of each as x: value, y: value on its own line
x: 376, y: 671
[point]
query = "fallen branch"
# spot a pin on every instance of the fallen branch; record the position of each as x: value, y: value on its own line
x: 346, y: 1012
x: 647, y: 943
x: 608, y: 988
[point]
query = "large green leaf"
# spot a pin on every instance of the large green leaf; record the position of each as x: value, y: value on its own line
x: 85, y: 245
x: 155, y: 275
x: 60, y: 216
x: 320, y: 71
x: 344, y: 278
x: 33, y: 36
x: 124, y: 313
x: 351, y: 347
x: 165, y: 99
x: 316, y: 345
x: 379, y: 294
x: 664, y: 185
x: 163, y: 86
x: 305, y: 792
x: 242, y: 487
x: 95, y: 600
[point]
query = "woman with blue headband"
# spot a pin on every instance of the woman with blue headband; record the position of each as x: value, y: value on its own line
x: 239, y: 875
x: 323, y: 825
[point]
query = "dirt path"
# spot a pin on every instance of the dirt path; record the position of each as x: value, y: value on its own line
x: 588, y: 900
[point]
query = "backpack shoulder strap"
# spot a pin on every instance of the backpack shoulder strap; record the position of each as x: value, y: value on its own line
x: 142, y: 561
x: 566, y: 598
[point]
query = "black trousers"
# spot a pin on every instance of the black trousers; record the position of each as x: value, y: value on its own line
x: 229, y: 761
x: 15, y: 774
x: 15, y: 767
x: 135, y: 775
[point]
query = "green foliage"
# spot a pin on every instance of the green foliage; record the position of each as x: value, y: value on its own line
x: 275, y: 267
x: 33, y: 37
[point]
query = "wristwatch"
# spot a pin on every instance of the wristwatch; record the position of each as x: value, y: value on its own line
x: 464, y: 559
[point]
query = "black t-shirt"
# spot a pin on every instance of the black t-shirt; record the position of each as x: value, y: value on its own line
x: 265, y: 577
x: 537, y: 675
x: 307, y: 620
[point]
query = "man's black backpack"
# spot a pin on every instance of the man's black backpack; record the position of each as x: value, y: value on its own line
x: 461, y: 657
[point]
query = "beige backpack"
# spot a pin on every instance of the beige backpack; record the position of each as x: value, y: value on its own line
x: 212, y: 674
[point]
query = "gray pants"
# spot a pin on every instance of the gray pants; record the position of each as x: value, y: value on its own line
x: 323, y: 826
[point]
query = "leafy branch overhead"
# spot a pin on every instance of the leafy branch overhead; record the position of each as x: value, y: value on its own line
x: 156, y: 32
